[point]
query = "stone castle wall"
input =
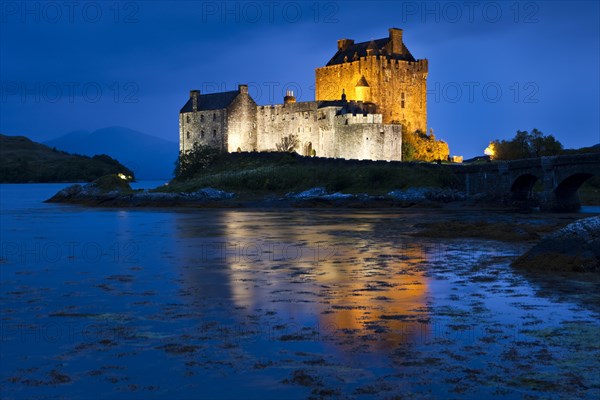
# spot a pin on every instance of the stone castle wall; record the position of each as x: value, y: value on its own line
x: 247, y: 127
x: 361, y: 137
x: 399, y: 88
x: 242, y: 123
x: 276, y: 121
x: 204, y: 127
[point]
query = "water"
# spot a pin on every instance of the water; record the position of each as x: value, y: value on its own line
x: 590, y: 209
x: 277, y: 304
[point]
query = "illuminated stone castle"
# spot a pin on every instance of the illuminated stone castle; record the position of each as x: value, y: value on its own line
x: 367, y: 95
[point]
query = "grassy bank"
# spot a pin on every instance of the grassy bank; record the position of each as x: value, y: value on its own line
x: 281, y: 173
x: 23, y: 160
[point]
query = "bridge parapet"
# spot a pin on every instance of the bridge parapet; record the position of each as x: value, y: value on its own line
x: 514, y: 180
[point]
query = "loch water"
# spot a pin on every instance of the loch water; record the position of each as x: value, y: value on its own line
x: 258, y: 303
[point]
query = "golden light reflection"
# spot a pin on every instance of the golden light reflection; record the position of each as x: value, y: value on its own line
x: 342, y: 279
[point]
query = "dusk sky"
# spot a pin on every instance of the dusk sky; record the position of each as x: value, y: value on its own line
x: 494, y: 67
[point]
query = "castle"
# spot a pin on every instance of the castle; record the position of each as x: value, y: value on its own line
x: 367, y: 96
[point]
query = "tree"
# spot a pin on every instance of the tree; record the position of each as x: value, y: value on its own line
x: 193, y: 161
x: 420, y: 146
x: 526, y: 145
x: 288, y: 143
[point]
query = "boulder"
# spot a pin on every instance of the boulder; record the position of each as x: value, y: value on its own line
x: 576, y: 247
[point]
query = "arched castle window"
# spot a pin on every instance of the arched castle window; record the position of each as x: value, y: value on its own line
x: 201, y: 118
x: 214, y: 116
x: 214, y: 133
x: 187, y: 119
x: 187, y: 135
x: 202, y: 134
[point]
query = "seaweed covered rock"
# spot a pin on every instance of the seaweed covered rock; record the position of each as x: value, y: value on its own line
x: 420, y: 194
x: 576, y: 247
x: 212, y: 194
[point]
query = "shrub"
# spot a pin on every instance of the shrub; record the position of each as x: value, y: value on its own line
x: 288, y: 143
x: 190, y: 162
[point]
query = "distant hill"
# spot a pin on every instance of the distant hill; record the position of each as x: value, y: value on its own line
x: 583, y: 150
x: 149, y: 157
x: 22, y: 160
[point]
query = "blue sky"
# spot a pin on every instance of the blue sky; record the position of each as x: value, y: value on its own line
x: 494, y: 67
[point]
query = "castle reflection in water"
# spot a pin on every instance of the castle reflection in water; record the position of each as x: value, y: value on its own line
x: 318, y: 278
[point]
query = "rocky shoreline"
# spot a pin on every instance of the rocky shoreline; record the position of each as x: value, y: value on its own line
x: 93, y: 195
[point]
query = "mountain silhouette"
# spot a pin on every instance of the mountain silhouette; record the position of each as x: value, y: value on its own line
x: 149, y: 157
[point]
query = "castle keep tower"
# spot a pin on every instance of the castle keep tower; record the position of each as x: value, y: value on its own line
x: 382, y: 72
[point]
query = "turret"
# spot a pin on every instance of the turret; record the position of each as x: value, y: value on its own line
x: 362, y: 90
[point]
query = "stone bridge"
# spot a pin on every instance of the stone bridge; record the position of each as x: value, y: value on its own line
x: 561, y: 177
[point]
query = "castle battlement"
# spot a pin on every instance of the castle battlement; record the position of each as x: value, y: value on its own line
x: 365, y: 97
x: 352, y: 119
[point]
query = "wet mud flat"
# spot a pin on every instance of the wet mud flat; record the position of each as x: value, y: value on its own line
x: 294, y: 304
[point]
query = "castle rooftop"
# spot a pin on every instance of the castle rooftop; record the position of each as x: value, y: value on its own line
x: 391, y: 47
x: 211, y: 101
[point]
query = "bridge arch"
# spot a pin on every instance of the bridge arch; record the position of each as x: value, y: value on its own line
x: 522, y: 187
x: 565, y: 192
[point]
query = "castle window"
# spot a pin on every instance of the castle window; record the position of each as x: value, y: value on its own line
x: 402, y: 100
x: 187, y: 119
x: 214, y: 133
x: 214, y: 116
x: 202, y: 134
x: 298, y: 129
x: 187, y: 135
x: 201, y: 118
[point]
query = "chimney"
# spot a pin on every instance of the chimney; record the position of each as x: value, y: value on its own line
x: 194, y: 95
x: 289, y: 97
x: 243, y: 89
x: 395, y: 40
x: 343, y: 44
